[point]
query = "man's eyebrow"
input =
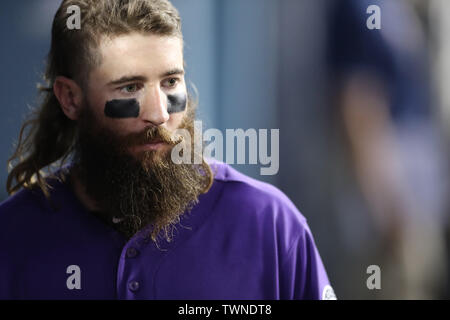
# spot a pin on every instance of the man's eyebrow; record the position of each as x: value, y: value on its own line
x: 172, y: 73
x: 126, y: 79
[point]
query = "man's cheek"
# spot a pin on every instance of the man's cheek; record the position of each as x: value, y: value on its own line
x: 175, y: 121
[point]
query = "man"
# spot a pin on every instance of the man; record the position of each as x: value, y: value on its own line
x: 122, y: 220
x: 384, y: 112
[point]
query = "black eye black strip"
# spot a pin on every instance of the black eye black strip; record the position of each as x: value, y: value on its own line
x: 129, y: 108
x: 176, y: 103
x: 119, y: 109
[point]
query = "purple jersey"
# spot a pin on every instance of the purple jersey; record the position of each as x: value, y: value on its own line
x: 243, y: 240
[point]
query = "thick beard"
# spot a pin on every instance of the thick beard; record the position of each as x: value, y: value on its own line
x: 151, y: 191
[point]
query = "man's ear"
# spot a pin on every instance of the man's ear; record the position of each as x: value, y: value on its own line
x: 69, y: 95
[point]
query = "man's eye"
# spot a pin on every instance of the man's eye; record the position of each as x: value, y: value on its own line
x: 131, y: 88
x: 170, y: 83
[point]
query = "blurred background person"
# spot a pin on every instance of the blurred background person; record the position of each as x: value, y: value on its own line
x: 383, y: 108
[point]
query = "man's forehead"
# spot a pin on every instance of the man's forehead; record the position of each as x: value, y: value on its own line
x: 145, y: 54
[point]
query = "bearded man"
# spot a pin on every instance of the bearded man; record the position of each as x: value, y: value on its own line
x: 117, y: 218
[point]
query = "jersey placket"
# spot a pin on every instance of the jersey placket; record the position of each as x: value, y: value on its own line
x: 134, y: 274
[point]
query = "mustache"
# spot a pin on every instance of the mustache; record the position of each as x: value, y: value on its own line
x: 151, y: 135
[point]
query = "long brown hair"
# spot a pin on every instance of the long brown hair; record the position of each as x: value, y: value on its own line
x: 48, y: 137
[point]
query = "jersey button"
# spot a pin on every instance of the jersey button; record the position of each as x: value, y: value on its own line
x: 132, y: 252
x: 133, y: 286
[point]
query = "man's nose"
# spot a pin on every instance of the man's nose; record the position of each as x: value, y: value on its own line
x: 154, y: 107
